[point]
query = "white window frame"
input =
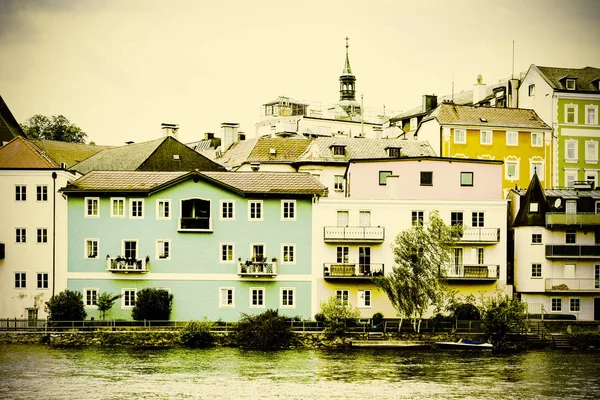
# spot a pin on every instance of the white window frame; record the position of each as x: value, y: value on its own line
x: 536, y: 273
x: 264, y: 246
x: 20, y: 192
x: 45, y: 280
x: 221, y: 247
x: 540, y: 171
x: 578, y: 301
x: 291, y: 246
x: 338, y: 183
x: 571, y: 173
x: 44, y: 232
x: 342, y: 212
x: 131, y: 209
x: 537, y: 234
x: 112, y: 207
x: 559, y: 301
x: 364, y: 296
x: 251, y: 297
x: 85, y: 297
x: 479, y: 217
x: 362, y: 219
x: 285, y: 299
x: 537, y: 139
x: 462, y: 138
x: 343, y: 295
x: 21, y: 235
x: 259, y: 204
x: 86, y: 210
x: 137, y: 247
x: 514, y: 162
x: 531, y: 90
x: 291, y: 210
x: 594, y: 120
x: 39, y: 192
x: 85, y: 248
x: 158, y: 209
x: 570, y: 84
x: 125, y: 300
x: 227, y: 290
x: 574, y: 107
x: 512, y: 138
x: 22, y: 281
x: 591, y: 152
x: 575, y: 144
x: 465, y: 174
x: 417, y: 217
x: 160, y: 247
x: 483, y: 137
x: 222, y: 204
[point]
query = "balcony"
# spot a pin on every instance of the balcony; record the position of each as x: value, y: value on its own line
x: 572, y: 285
x: 372, y: 234
x: 195, y: 224
x: 572, y: 251
x: 574, y: 220
x: 251, y: 269
x: 480, y: 235
x: 127, y: 265
x: 473, y: 272
x: 351, y: 270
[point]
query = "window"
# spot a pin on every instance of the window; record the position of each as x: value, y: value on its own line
x: 117, y: 207
x: 531, y: 90
x: 591, y: 151
x: 42, y: 280
x: 338, y: 183
x: 571, y: 150
x: 426, y: 178
x: 460, y: 136
x: 536, y: 139
x: 570, y: 114
x: 128, y: 298
x: 417, y: 217
x: 42, y: 193
x: 226, y: 297
x: 20, y: 280
x: 480, y: 256
x: 571, y: 207
x: 342, y: 254
x: 163, y: 209
x: 570, y: 237
x: 91, y: 248
x: 511, y: 170
x: 591, y: 115
x: 536, y: 167
x: 342, y: 296
x: 338, y: 150
x: 466, y: 179
x: 533, y: 207
x: 91, y: 207
x: 574, y: 305
x: 258, y: 251
x: 91, y: 297
x: 456, y: 218
x: 163, y: 249
x: 137, y: 208
x: 42, y: 235
x: 536, y: 270
x: 477, y: 219
x: 130, y: 249
x: 364, y: 298
x: 364, y: 260
x: 383, y: 177
x: 288, y: 252
x: 512, y: 138
x: 394, y: 152
x: 227, y: 253
x: 342, y: 218
x: 413, y: 123
x: 288, y: 210
x: 287, y: 297
x: 536, y: 238
x: 570, y: 177
x: 257, y: 297
x: 556, y: 303
x: 485, y: 137
x: 196, y: 214
x: 20, y: 193
x: 597, y: 276
x: 570, y: 84
x: 21, y: 235
x: 227, y: 210
x: 255, y: 210
x: 364, y: 218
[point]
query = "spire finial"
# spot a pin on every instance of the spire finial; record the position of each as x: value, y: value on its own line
x: 347, y: 70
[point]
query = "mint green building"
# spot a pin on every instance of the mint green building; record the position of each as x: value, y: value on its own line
x: 223, y: 243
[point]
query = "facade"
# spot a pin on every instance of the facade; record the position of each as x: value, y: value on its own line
x: 518, y: 137
x: 567, y: 99
x: 222, y: 243
x: 557, y: 250
x: 353, y: 235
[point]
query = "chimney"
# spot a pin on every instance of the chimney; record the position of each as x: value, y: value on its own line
x: 429, y: 102
x: 209, y: 136
x: 169, y: 129
x: 513, y: 93
x: 478, y: 90
x: 241, y: 136
x: 229, y: 134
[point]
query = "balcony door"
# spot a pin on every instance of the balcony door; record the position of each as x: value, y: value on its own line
x: 195, y: 214
x: 364, y: 260
x: 458, y: 260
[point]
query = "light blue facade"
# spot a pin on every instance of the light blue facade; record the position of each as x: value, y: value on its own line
x: 194, y: 271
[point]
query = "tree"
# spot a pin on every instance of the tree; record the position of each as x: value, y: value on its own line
x: 267, y: 330
x: 57, y: 127
x: 337, y: 314
x: 421, y: 255
x: 501, y: 314
x: 105, y: 302
x: 66, y: 306
x: 152, y: 304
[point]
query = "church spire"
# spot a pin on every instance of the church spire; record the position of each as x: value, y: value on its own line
x: 347, y: 70
x: 347, y: 80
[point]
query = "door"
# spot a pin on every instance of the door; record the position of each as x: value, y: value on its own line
x: 597, y: 309
x: 364, y: 260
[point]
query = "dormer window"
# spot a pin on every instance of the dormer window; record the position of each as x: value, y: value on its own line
x: 393, y: 152
x: 570, y: 84
x: 533, y: 207
x: 338, y: 150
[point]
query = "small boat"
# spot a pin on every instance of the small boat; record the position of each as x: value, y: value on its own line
x: 464, y: 344
x: 388, y: 344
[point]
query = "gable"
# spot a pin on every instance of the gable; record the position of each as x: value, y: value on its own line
x: 172, y: 155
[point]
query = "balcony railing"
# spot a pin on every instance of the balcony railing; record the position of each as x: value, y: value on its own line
x: 127, y: 265
x: 572, y: 251
x: 572, y: 285
x: 578, y: 219
x: 480, y: 235
x: 257, y: 269
x: 352, y: 270
x: 195, y: 223
x: 473, y: 272
x: 354, y: 234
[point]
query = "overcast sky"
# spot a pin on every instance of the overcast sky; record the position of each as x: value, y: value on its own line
x: 118, y: 69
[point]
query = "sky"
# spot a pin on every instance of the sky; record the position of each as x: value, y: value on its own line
x: 120, y: 68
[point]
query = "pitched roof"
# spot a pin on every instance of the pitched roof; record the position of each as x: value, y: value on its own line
x: 286, y: 150
x: 9, y: 127
x: 66, y: 152
x: 586, y: 78
x: 236, y: 154
x: 21, y: 153
x: 244, y: 183
x: 533, y: 194
x: 493, y: 117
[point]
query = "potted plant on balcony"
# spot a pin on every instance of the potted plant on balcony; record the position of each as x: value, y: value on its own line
x: 326, y: 271
x: 274, y: 259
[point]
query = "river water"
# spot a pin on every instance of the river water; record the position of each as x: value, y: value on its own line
x: 41, y: 372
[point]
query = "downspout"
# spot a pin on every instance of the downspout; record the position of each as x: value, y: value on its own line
x: 54, y: 175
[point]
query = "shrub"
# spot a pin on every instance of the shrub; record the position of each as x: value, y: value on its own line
x: 377, y: 319
x: 105, y: 302
x: 268, y: 330
x: 467, y: 311
x: 66, y: 306
x: 152, y: 304
x: 500, y: 315
x: 196, y: 334
x: 337, y: 315
x: 320, y: 317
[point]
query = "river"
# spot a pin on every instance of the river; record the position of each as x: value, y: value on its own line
x: 41, y: 372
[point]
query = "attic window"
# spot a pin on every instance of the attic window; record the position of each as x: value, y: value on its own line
x: 175, y: 157
x: 393, y: 152
x: 533, y: 207
x: 570, y: 84
x: 483, y: 119
x: 338, y: 150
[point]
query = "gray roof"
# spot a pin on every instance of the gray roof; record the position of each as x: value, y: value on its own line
x: 566, y: 194
x: 586, y: 78
x: 236, y: 154
x: 66, y: 152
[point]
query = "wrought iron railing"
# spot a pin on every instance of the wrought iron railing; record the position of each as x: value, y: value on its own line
x: 474, y: 271
x: 354, y: 233
x: 257, y: 269
x: 352, y: 270
x: 124, y: 264
x: 481, y: 235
